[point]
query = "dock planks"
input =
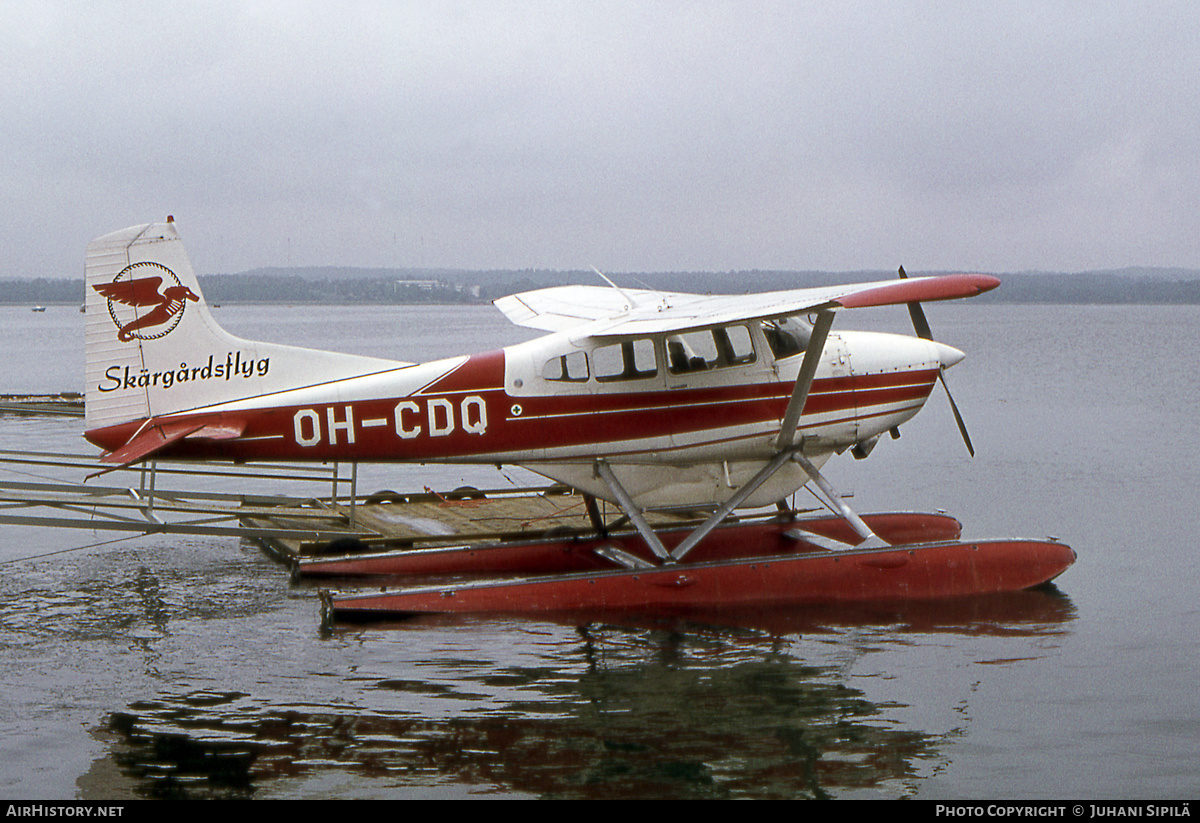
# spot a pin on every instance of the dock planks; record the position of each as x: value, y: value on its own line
x: 401, y: 521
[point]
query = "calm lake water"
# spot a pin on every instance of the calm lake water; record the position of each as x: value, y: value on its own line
x: 192, y: 667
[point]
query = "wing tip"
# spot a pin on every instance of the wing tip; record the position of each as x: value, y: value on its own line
x: 919, y: 290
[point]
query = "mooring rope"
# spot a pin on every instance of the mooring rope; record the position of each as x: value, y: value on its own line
x: 67, y: 551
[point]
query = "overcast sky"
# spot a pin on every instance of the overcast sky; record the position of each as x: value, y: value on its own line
x: 647, y: 136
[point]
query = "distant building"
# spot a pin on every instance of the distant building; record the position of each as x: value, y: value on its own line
x: 423, y: 285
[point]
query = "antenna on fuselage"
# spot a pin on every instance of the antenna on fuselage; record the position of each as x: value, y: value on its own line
x: 625, y: 294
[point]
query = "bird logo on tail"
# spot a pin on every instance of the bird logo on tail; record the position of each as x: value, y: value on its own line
x: 139, y: 287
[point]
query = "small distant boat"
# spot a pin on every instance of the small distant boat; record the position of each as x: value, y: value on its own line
x: 39, y: 308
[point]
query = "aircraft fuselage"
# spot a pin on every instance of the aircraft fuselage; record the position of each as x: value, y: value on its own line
x: 518, y: 405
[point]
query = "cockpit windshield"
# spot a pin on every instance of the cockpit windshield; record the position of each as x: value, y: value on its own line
x: 787, y: 336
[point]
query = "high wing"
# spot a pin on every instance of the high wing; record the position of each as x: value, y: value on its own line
x: 608, y: 312
x: 560, y: 308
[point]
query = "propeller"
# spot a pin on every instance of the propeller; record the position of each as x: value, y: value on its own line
x: 921, y: 325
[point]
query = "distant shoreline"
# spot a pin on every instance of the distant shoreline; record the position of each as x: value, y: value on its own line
x: 331, y: 286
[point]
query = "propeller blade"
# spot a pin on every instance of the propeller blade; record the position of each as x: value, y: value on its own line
x: 918, y: 315
x: 921, y: 325
x: 962, y: 427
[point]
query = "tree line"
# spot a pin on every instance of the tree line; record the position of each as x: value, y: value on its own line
x: 378, y: 286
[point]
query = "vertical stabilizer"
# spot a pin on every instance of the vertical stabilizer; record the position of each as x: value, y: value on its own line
x: 153, y: 348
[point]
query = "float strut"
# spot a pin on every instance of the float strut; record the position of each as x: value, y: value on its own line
x: 593, y: 512
x: 726, y: 508
x: 634, y: 513
x: 870, y: 539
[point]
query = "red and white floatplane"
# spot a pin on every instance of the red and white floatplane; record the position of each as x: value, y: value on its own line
x: 645, y: 399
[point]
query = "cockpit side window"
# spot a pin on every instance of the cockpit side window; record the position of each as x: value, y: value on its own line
x: 787, y: 336
x: 709, y: 349
x: 627, y: 360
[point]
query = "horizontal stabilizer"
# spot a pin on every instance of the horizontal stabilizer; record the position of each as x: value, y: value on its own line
x: 156, y: 436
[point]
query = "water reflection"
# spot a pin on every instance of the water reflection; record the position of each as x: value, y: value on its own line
x: 1028, y: 613
x: 681, y: 710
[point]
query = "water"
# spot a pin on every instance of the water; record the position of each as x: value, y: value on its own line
x: 169, y: 667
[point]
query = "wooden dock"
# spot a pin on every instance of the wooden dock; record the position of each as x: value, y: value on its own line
x: 465, y: 516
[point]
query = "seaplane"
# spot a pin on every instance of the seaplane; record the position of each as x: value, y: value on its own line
x: 647, y: 400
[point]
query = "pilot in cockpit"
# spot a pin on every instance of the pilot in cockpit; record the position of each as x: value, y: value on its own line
x: 680, y: 358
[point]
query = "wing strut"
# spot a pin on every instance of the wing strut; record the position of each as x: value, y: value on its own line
x: 804, y: 380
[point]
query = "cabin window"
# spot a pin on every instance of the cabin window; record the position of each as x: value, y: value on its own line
x: 571, y: 368
x: 709, y: 349
x: 627, y: 360
x: 787, y: 336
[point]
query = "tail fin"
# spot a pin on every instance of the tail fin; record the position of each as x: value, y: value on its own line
x: 153, y: 347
